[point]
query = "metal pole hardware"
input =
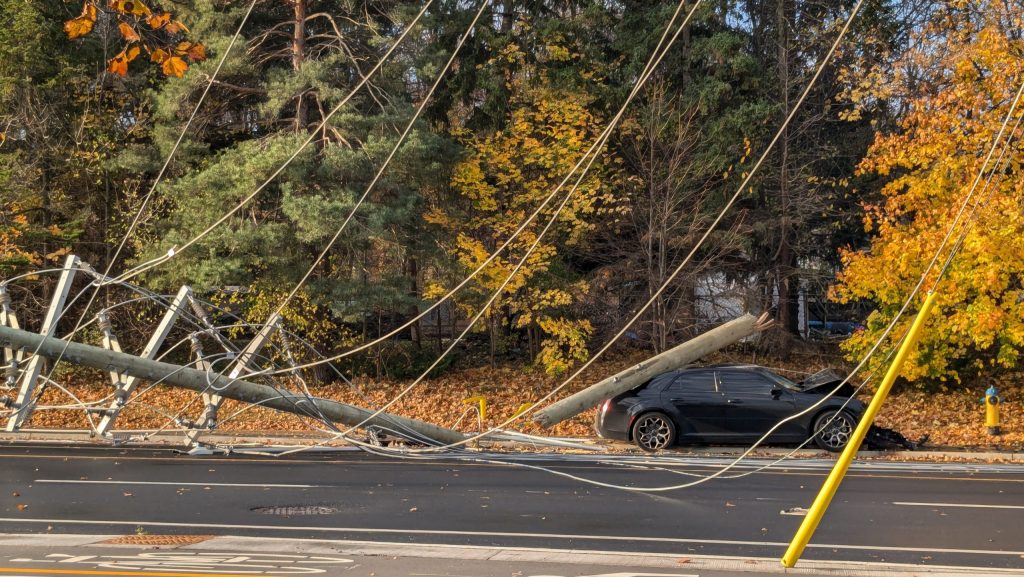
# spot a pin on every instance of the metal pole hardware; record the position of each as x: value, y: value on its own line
x: 126, y: 384
x: 24, y: 402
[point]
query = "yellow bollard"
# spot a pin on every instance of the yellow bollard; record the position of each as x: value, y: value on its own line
x: 522, y: 409
x: 481, y: 405
x: 831, y: 485
x: 992, y: 411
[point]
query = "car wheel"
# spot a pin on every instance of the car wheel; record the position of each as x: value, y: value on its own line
x: 833, y: 430
x: 654, y: 431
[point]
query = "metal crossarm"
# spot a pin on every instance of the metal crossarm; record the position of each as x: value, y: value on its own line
x: 126, y: 385
x: 240, y: 367
x: 9, y: 319
x: 24, y: 402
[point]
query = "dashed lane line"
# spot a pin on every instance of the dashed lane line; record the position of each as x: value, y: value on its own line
x: 21, y: 570
x: 256, y: 485
x: 959, y: 505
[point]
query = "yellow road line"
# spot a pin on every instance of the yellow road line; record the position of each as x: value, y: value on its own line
x: 118, y: 573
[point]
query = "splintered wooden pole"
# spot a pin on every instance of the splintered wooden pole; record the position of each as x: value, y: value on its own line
x: 203, y: 382
x: 683, y: 354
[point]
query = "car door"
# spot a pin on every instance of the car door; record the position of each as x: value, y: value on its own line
x: 698, y: 404
x: 751, y: 407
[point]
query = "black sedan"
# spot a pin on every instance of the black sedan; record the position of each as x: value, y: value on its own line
x: 729, y: 404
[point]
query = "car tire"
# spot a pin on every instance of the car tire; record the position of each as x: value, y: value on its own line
x: 654, y: 431
x: 833, y: 430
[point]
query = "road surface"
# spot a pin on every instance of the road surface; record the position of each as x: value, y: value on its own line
x: 898, y: 514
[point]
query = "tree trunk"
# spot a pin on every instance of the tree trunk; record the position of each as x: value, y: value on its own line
x: 298, y: 57
x: 785, y: 257
x: 416, y: 333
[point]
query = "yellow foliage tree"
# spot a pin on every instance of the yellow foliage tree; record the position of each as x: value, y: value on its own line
x: 13, y: 226
x: 502, y: 180
x: 929, y: 165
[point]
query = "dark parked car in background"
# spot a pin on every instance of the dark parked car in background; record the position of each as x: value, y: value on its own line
x: 730, y: 404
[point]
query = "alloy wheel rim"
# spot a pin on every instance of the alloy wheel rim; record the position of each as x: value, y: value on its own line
x: 653, y: 433
x: 836, y: 433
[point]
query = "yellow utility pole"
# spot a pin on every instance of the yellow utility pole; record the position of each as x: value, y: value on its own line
x: 828, y: 490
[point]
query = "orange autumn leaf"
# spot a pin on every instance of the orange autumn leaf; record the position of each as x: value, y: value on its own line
x: 175, y: 27
x: 78, y: 27
x: 133, y: 7
x: 128, y: 32
x: 175, y: 66
x: 119, y: 64
x: 82, y: 25
x: 194, y: 50
x: 159, y: 20
x: 197, y: 52
x: 159, y: 56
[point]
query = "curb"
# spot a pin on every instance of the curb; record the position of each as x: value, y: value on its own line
x: 165, y: 439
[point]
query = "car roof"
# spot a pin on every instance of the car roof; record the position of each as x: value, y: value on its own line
x: 747, y: 366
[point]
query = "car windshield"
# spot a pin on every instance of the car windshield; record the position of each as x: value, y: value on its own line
x: 783, y: 381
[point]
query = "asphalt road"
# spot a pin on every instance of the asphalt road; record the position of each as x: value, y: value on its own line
x: 923, y: 515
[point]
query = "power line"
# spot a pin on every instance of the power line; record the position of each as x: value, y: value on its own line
x: 588, y: 157
x: 151, y: 264
x: 387, y: 161
x: 686, y: 261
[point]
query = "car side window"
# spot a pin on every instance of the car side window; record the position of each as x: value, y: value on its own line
x: 745, y: 384
x: 693, y: 383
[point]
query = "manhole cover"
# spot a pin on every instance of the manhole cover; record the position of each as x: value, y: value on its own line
x: 157, y: 540
x: 289, y: 510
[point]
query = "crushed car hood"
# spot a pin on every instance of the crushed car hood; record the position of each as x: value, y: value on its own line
x: 823, y: 381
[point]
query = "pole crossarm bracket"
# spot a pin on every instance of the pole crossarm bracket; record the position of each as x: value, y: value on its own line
x: 9, y: 319
x: 238, y: 368
x: 24, y: 403
x: 126, y: 384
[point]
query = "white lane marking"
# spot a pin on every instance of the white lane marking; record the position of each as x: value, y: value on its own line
x: 229, y: 562
x: 88, y: 482
x: 962, y: 505
x: 631, y: 575
x: 562, y: 536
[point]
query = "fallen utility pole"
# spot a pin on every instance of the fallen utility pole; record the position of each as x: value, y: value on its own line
x: 203, y: 382
x: 683, y: 354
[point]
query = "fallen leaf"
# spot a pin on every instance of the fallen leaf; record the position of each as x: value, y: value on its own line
x: 15, y: 494
x: 22, y: 507
x: 128, y: 494
x: 683, y: 560
x: 413, y: 510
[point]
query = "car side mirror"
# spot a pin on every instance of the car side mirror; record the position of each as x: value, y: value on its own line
x: 776, y: 393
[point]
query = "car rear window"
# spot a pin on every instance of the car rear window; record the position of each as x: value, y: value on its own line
x: 694, y: 382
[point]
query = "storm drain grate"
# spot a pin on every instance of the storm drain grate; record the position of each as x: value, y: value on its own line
x: 289, y: 510
x: 157, y: 540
